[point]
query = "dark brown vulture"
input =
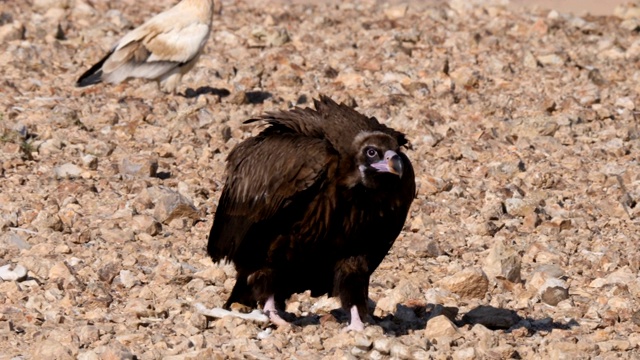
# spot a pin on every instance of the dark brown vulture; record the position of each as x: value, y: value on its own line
x: 314, y: 202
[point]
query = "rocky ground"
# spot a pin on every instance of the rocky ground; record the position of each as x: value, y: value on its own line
x: 522, y: 243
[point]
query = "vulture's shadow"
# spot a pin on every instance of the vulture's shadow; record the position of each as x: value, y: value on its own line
x: 416, y: 317
x: 257, y: 97
x: 204, y: 90
x: 408, y: 318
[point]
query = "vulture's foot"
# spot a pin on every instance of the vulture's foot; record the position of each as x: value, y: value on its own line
x: 270, y: 310
x: 356, y: 323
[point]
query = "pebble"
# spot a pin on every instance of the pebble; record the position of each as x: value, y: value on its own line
x: 441, y: 329
x: 90, y: 162
x: 67, y: 170
x: 170, y: 205
x: 554, y: 291
x: 11, y: 32
x: 51, y: 349
x: 139, y: 165
x: 550, y: 59
x: 503, y: 261
x: 12, y: 239
x: 13, y: 273
x: 382, y: 345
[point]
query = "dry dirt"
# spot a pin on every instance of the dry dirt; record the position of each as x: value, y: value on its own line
x: 522, y: 243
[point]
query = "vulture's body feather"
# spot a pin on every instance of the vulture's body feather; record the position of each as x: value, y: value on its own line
x: 164, y: 48
x: 314, y: 202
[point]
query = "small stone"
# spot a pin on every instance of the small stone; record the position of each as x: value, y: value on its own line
x: 173, y: 205
x: 10, y: 32
x: 116, y: 235
x: 551, y: 59
x: 239, y: 98
x: 59, y: 270
x: 503, y: 261
x: 350, y: 79
x: 108, y: 272
x: 541, y: 274
x: 554, y: 291
x: 139, y: 165
x: 278, y: 37
x: 50, y: 146
x: 486, y: 338
x: 424, y: 248
x: 469, y: 283
x: 396, y: 12
x: 363, y: 342
x: 88, y: 334
x: 635, y: 318
x: 405, y: 290
x: 127, y: 279
x: 632, y: 24
x: 337, y: 341
x: 399, y: 351
x: 519, y: 207
x: 465, y: 78
x: 146, y: 224
x: 625, y: 102
x: 440, y: 327
x: 67, y: 170
x: 616, y: 345
x: 466, y: 353
x: 13, y: 239
x: 382, y: 345
x: 530, y: 61
x: 90, y: 162
x: 51, y: 349
x: 117, y: 351
x: 139, y: 308
x: 18, y: 273
x: 491, y: 317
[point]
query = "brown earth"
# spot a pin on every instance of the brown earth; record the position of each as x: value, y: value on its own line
x: 522, y: 243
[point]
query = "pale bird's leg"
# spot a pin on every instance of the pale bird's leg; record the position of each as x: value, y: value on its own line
x: 170, y: 83
x: 270, y: 310
x: 356, y: 323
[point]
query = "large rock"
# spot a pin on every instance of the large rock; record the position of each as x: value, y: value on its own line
x: 471, y: 283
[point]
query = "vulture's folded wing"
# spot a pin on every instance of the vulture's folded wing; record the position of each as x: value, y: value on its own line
x: 272, y: 176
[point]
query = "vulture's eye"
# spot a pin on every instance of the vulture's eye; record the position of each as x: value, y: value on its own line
x: 371, y: 152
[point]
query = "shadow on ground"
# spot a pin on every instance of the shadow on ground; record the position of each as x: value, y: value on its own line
x: 415, y: 317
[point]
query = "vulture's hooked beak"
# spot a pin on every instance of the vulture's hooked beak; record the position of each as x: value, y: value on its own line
x: 392, y: 163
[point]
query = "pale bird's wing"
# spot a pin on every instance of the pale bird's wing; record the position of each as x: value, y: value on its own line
x: 166, y: 45
x: 166, y: 41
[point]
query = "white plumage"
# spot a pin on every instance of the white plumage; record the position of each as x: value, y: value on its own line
x: 164, y: 48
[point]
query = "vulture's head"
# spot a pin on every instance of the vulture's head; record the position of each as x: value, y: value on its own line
x: 378, y: 159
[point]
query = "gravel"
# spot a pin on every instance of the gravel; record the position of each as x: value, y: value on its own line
x: 522, y: 243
